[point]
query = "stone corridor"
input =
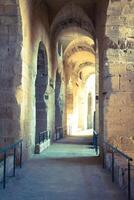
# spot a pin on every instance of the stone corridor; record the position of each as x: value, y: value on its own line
x: 66, y: 66
x: 67, y: 170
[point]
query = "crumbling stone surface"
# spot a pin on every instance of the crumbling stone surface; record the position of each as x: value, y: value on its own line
x: 117, y: 72
x: 124, y: 143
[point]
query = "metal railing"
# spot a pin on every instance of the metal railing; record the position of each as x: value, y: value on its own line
x: 43, y: 136
x: 95, y: 141
x: 114, y: 150
x: 5, y: 151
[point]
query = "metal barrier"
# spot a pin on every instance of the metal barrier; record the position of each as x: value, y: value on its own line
x: 5, y: 151
x: 43, y: 136
x: 95, y: 141
x: 129, y: 159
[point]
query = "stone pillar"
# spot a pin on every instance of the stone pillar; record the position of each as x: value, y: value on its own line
x: 10, y: 71
x: 117, y: 59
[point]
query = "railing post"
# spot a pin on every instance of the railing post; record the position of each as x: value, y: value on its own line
x: 4, y: 171
x: 112, y: 165
x: 129, y: 180
x: 96, y: 142
x: 56, y: 134
x: 129, y: 159
x: 14, y: 160
x: 43, y: 136
x: 39, y: 139
x: 47, y: 135
x: 61, y: 132
x: 21, y: 154
x: 103, y: 158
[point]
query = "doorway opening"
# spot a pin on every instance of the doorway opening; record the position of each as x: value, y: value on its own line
x: 40, y: 89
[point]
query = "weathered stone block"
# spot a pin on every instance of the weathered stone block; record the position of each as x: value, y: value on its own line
x: 119, y: 99
x: 6, y: 83
x: 5, y: 20
x: 113, y: 52
x: 4, y: 52
x: 127, y: 82
x: 2, y: 10
x: 12, y: 29
x: 9, y: 128
x: 130, y: 55
x: 127, y: 9
x: 111, y: 84
x: 11, y: 10
x: 12, y: 38
x: 8, y: 2
x: 118, y: 120
x: 130, y: 20
x: 6, y: 112
x: 115, y: 69
x: 3, y: 30
x: 116, y: 20
x: 130, y: 67
x: 112, y: 32
x: 114, y: 10
x: 6, y: 69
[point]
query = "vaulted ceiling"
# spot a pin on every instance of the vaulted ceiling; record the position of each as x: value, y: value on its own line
x: 55, y: 5
x: 72, y: 26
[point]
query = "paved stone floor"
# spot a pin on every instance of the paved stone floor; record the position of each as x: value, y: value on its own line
x: 68, y: 170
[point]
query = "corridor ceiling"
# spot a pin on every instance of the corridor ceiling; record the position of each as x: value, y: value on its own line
x: 55, y: 5
x: 72, y: 26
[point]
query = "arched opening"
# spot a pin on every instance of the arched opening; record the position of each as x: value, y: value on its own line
x: 40, y: 89
x: 91, y: 104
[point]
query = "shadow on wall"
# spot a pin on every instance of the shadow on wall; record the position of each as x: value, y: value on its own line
x: 101, y: 18
x: 58, y: 101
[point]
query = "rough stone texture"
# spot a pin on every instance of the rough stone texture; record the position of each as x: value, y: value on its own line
x: 9, y: 60
x: 19, y: 41
x: 116, y: 61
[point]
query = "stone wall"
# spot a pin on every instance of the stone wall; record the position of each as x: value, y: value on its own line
x: 115, y: 36
x: 10, y: 64
x: 23, y: 24
x: 35, y: 28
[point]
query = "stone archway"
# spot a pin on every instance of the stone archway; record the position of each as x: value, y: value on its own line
x: 40, y: 89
